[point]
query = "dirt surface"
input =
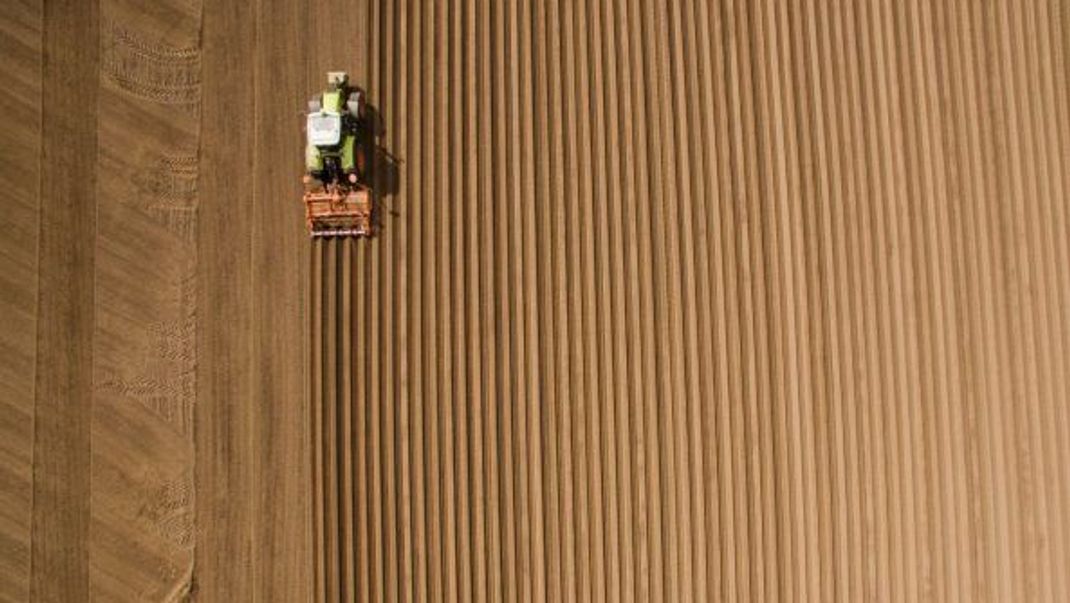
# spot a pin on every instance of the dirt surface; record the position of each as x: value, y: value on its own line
x: 19, y: 171
x: 669, y: 301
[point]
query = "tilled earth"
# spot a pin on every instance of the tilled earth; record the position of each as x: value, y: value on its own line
x: 668, y: 301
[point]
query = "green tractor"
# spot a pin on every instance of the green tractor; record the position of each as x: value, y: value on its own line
x: 333, y: 153
x: 337, y: 199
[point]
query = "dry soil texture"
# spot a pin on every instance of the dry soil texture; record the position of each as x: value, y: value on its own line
x: 670, y: 301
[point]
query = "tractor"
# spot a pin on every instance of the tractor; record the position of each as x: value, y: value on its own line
x: 338, y: 201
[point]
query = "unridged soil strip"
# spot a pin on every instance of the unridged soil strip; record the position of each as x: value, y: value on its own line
x: 66, y: 243
x: 281, y: 260
x: 226, y: 413
x: 21, y: 39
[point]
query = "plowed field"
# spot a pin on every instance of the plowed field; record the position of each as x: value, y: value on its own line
x: 668, y: 301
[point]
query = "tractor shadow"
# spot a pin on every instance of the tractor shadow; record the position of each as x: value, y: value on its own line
x: 384, y: 169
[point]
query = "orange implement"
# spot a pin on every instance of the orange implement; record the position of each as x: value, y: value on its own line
x: 339, y: 211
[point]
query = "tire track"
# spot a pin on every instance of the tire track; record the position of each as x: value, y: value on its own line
x: 151, y: 70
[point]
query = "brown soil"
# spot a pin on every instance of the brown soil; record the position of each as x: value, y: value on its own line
x: 670, y: 301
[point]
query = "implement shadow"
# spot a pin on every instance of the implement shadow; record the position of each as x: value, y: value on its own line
x: 384, y: 168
